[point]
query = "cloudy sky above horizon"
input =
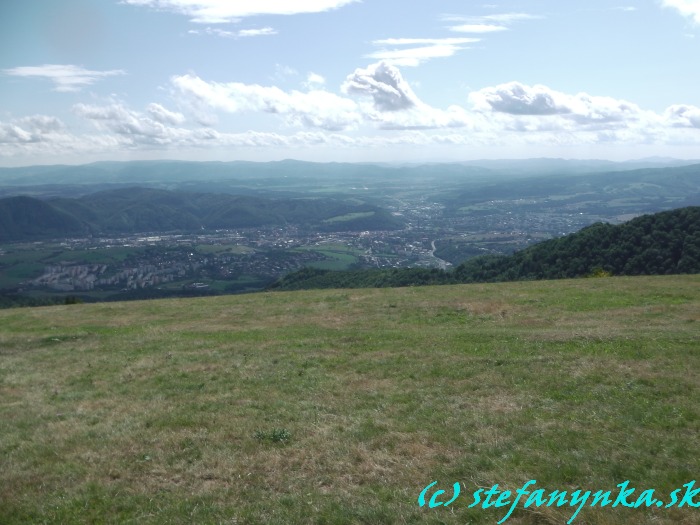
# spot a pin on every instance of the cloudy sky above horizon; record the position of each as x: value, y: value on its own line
x: 348, y: 80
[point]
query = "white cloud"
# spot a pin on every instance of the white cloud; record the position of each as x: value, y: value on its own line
x: 477, y: 28
x: 414, y: 56
x: 213, y: 31
x: 384, y: 83
x: 488, y: 23
x: 394, y: 104
x: 542, y: 117
x: 283, y: 72
x: 424, y: 49
x: 264, y: 31
x: 36, y: 128
x: 129, y: 129
x: 34, y: 138
x: 688, y: 8
x: 508, y: 18
x: 518, y: 99
x: 226, y: 11
x: 427, y: 49
x: 414, y: 131
x: 164, y: 116
x: 683, y: 116
x: 121, y: 129
x: 425, y: 41
x: 377, y: 107
x: 422, y: 117
x: 243, y: 33
x: 136, y: 127
x: 314, y: 80
x: 316, y: 108
x: 501, y: 18
x: 607, y: 111
x: 65, y: 77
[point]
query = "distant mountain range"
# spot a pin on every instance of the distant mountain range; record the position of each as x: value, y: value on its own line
x: 658, y: 244
x: 160, y: 171
x: 133, y: 210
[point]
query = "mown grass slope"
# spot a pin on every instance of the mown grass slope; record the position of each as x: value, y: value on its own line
x: 339, y: 406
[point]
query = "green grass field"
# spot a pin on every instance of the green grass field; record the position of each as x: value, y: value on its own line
x: 233, y: 249
x: 338, y: 407
x: 341, y: 256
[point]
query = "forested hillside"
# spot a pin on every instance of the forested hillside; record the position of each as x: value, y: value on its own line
x: 28, y: 218
x: 659, y: 244
x: 134, y: 210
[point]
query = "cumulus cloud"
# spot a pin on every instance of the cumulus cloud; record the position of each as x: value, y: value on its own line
x: 164, y: 116
x: 120, y: 128
x: 384, y: 83
x: 316, y: 108
x: 220, y: 11
x: 38, y: 137
x: 151, y: 128
x: 66, y: 78
x: 519, y: 99
x: 683, y: 116
x: 688, y: 8
x: 314, y: 80
x: 587, y: 109
x: 422, y: 117
x: 376, y: 105
x: 36, y: 128
x: 394, y: 104
x: 388, y: 101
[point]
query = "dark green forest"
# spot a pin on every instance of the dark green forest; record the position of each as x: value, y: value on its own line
x: 658, y: 244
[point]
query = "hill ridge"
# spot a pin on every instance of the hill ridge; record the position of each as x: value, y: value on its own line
x: 139, y: 209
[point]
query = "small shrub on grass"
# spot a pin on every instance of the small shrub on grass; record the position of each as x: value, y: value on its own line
x: 599, y: 272
x: 276, y: 435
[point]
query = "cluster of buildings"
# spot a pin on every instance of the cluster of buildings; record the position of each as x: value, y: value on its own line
x: 70, y: 277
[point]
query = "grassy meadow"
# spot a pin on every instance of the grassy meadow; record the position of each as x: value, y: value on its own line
x: 338, y: 407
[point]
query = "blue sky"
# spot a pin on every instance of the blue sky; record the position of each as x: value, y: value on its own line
x: 348, y: 80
